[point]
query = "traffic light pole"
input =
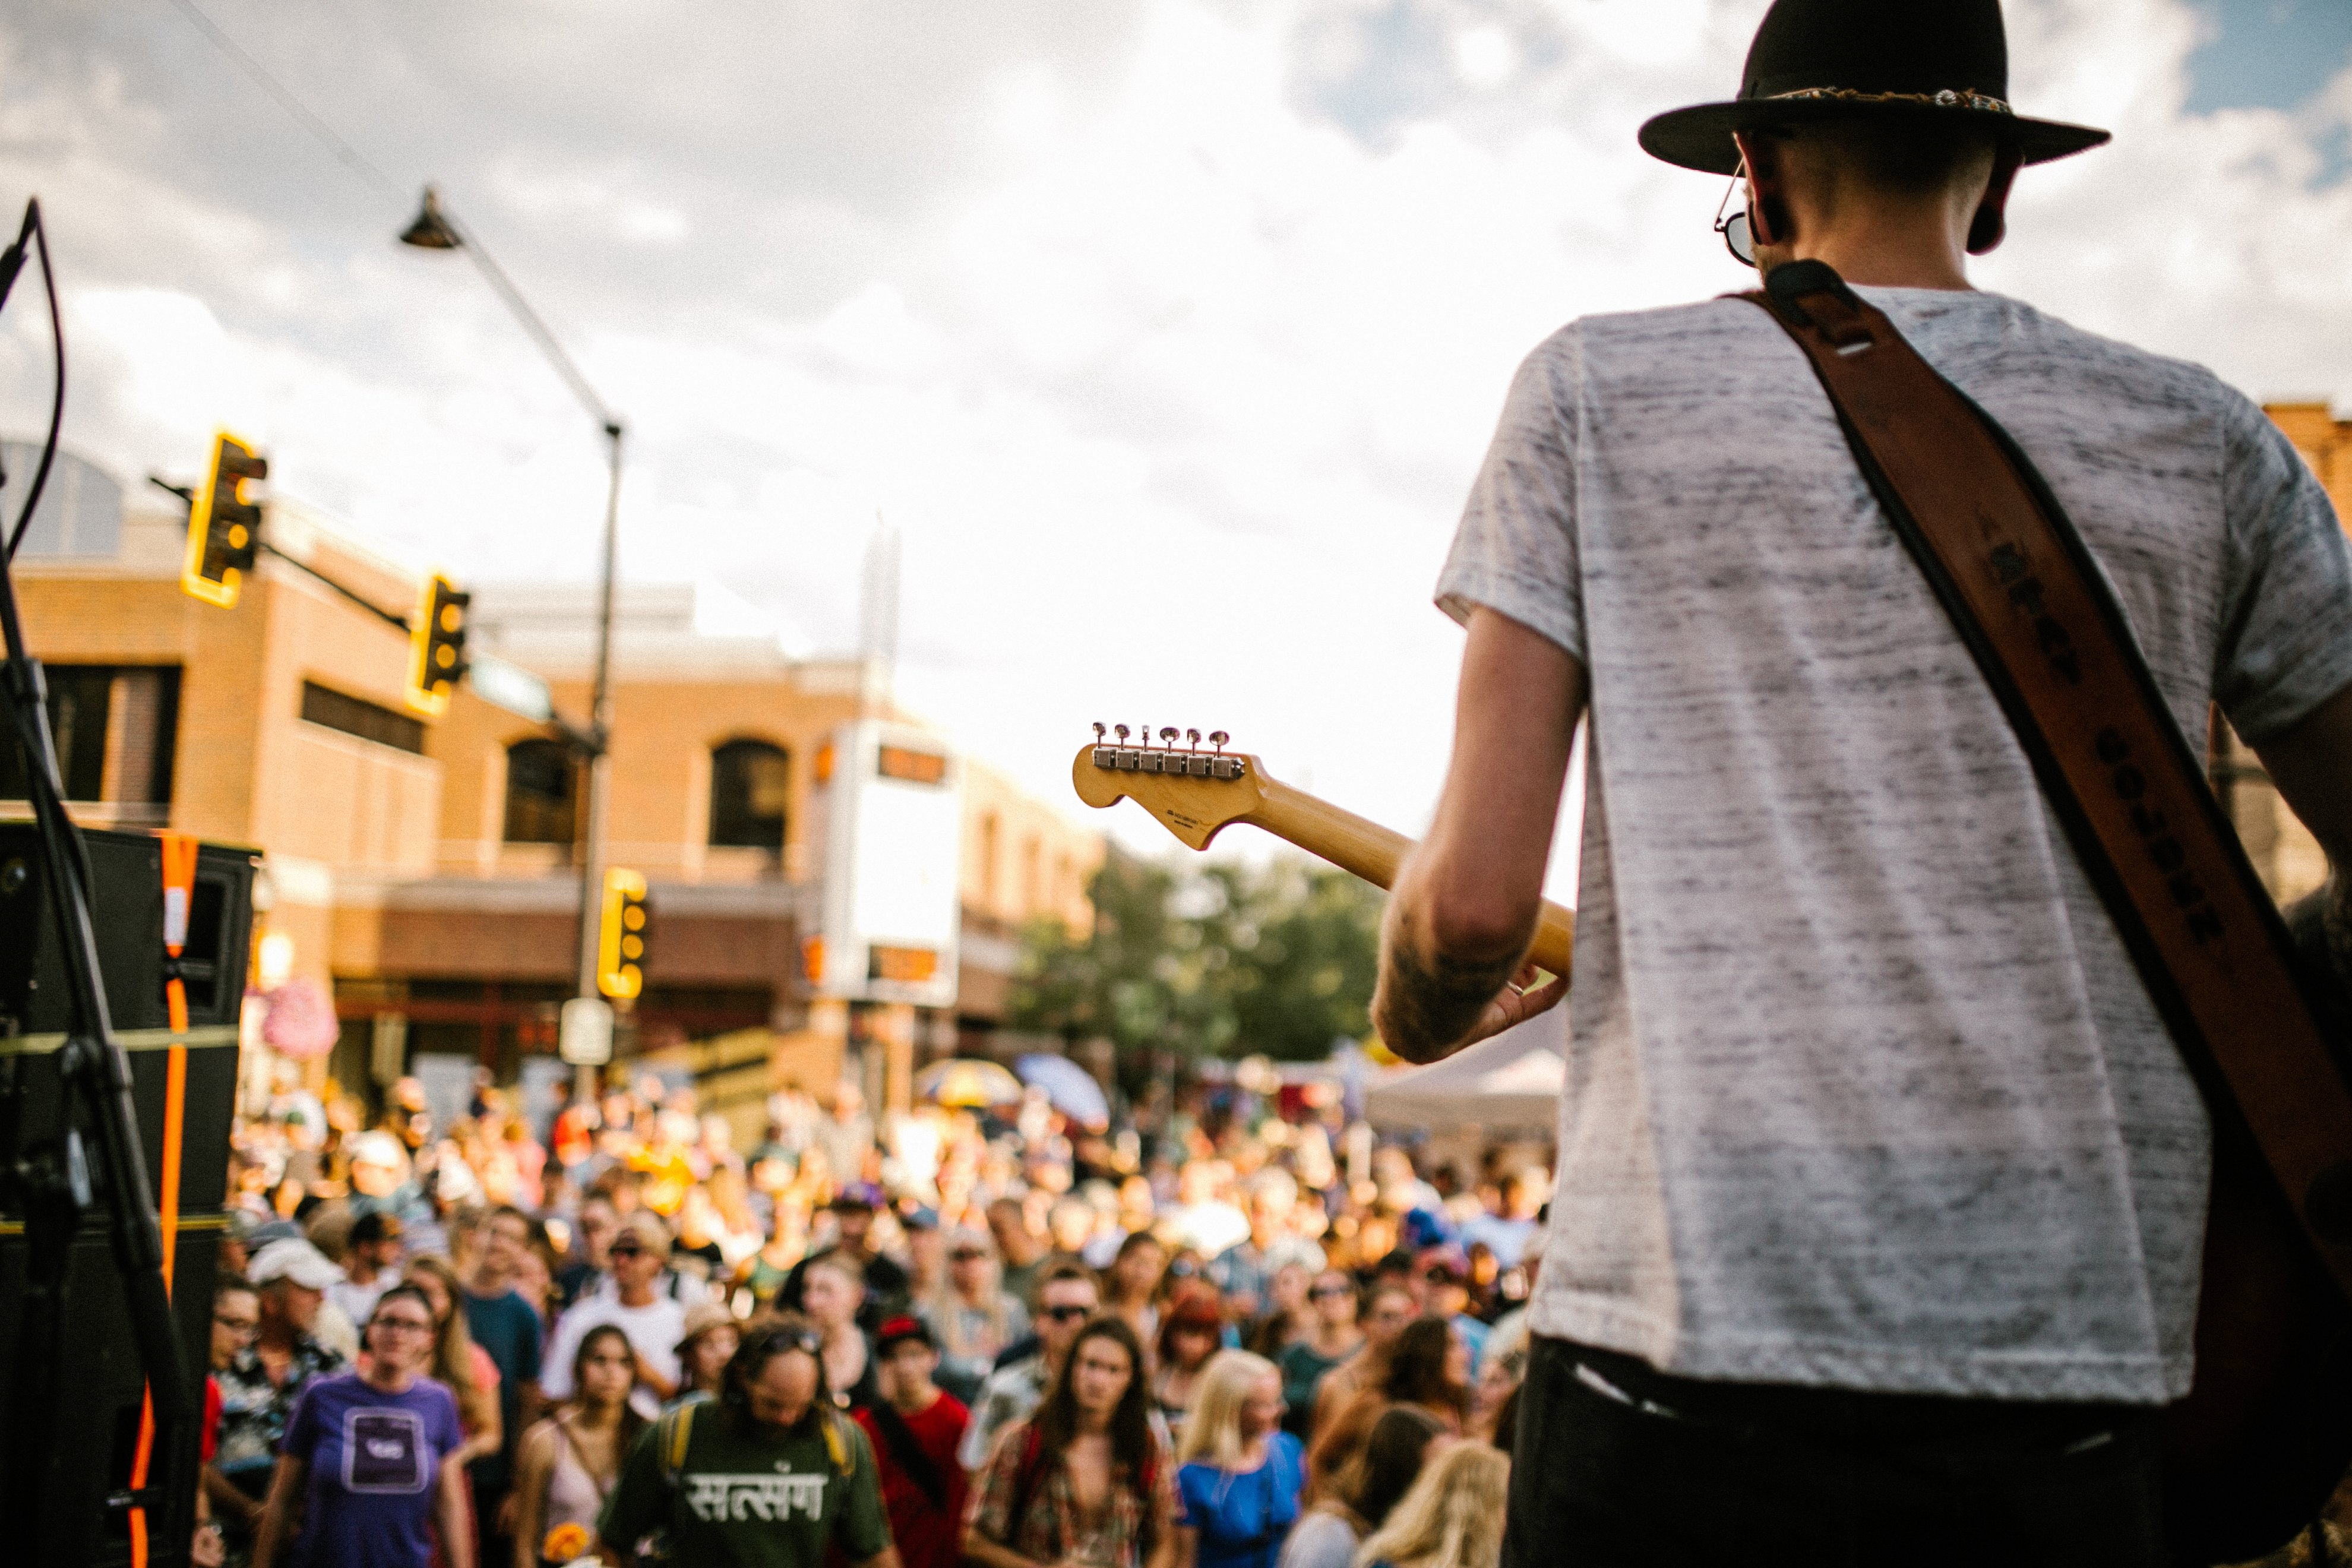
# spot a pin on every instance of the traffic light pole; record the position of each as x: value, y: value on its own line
x: 598, y: 790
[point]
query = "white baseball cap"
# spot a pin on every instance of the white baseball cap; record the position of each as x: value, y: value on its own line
x: 293, y: 1260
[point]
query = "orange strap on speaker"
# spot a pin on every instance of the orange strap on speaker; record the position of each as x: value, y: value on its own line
x: 179, y: 892
x: 179, y: 889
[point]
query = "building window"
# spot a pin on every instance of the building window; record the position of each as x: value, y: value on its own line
x: 750, y: 782
x: 115, y: 727
x: 543, y: 793
x: 356, y: 716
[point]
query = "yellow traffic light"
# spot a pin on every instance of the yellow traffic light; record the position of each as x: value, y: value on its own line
x: 223, y: 526
x: 437, y: 645
x: 621, y: 935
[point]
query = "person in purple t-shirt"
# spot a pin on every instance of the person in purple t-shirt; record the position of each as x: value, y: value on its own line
x: 364, y: 1451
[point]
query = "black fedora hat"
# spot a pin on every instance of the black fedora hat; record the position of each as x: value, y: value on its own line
x: 1932, y: 60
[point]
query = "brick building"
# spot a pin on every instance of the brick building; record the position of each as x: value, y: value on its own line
x: 423, y: 871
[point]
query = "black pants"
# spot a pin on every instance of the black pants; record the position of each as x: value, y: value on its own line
x: 1619, y: 1465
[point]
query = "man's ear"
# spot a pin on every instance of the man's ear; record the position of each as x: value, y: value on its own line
x: 1768, y: 209
x: 1987, y: 229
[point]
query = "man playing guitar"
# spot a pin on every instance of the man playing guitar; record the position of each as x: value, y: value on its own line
x: 1881, y: 1183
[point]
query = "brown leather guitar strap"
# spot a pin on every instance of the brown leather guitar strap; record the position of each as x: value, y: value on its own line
x: 2033, y: 609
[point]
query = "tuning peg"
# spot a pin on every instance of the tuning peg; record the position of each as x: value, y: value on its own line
x: 1194, y: 737
x: 1168, y: 737
x: 1122, y: 733
x: 1218, y: 739
x: 1099, y: 734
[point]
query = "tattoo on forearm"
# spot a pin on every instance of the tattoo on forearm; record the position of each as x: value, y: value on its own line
x: 1432, y: 1000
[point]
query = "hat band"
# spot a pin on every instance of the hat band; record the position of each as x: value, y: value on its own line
x: 1948, y: 98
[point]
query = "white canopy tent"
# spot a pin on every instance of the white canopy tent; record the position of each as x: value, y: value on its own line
x: 1510, y: 1083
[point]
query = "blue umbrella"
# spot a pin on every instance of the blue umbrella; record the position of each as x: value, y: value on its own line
x: 1072, y: 1090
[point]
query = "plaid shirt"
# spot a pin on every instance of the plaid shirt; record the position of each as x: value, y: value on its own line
x: 1052, y: 1529
x: 254, y: 1411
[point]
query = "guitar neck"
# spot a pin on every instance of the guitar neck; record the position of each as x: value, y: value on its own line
x: 1374, y: 853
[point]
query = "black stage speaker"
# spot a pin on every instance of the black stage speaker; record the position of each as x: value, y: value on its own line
x: 96, y: 1425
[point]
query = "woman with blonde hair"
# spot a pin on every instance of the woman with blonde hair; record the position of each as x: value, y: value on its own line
x: 972, y: 1316
x: 1363, y: 1496
x: 457, y: 1363
x: 1238, y: 1473
x: 1452, y: 1517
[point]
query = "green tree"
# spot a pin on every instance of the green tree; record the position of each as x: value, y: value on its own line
x: 1210, y: 958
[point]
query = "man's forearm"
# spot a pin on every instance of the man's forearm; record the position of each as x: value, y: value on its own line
x: 1429, y: 999
x: 2321, y: 923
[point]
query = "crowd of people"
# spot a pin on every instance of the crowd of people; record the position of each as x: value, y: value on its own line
x: 1232, y: 1331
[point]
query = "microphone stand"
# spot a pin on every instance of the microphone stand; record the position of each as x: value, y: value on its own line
x: 53, y: 1180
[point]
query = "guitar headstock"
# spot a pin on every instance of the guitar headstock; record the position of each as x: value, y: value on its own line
x: 1194, y: 793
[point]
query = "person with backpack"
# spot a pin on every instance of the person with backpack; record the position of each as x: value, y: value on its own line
x: 768, y: 1475
x: 1085, y: 1479
x: 915, y: 1428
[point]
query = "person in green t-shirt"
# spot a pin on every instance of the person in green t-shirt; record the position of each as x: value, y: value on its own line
x: 768, y: 1475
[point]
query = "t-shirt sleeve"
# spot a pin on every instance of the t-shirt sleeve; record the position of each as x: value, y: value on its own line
x: 530, y: 1338
x: 635, y: 1506
x: 987, y: 1415
x: 2287, y: 627
x: 1192, y: 1494
x: 863, y: 1530
x: 449, y: 1432
x: 555, y: 1375
x: 1289, y: 1459
x: 303, y: 1428
x: 990, y: 1507
x: 1515, y: 548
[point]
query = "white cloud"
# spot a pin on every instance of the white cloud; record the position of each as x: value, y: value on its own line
x: 1170, y: 331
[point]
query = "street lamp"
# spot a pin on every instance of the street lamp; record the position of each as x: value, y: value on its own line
x: 433, y: 229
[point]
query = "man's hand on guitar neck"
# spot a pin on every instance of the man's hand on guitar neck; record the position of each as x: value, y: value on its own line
x: 1459, y: 919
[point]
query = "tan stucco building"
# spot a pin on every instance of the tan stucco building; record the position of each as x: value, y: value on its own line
x: 421, y: 869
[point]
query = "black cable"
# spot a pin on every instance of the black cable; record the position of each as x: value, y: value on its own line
x: 29, y: 738
x: 10, y: 265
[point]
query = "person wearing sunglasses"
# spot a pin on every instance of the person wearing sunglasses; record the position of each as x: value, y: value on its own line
x: 367, y: 1462
x: 1873, y: 1127
x: 1067, y: 1296
x: 974, y: 1318
x: 1333, y: 1337
x: 653, y: 1320
x: 770, y: 1475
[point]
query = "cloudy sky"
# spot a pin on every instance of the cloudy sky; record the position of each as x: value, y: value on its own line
x: 1169, y: 332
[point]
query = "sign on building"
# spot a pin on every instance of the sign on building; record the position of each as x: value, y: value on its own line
x: 886, y: 817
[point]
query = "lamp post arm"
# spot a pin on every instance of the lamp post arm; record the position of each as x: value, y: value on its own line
x: 538, y: 329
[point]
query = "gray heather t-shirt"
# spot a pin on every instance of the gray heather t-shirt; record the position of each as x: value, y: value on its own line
x: 1861, y: 1089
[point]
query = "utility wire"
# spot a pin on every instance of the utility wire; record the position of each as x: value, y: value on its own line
x: 358, y: 162
x: 345, y: 153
